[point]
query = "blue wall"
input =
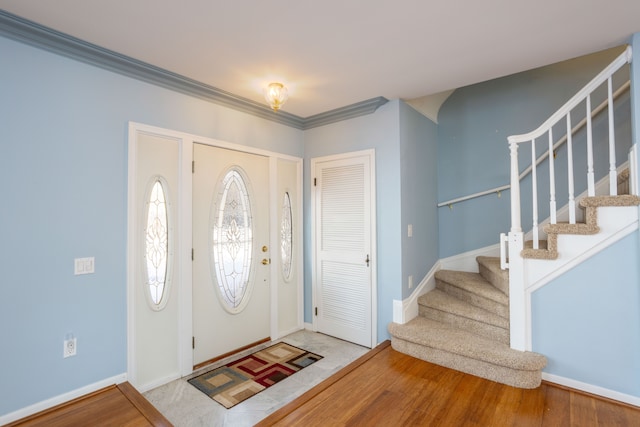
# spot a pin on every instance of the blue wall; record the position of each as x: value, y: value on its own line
x: 379, y: 131
x: 63, y: 162
x: 419, y: 195
x: 473, y: 154
x: 63, y: 165
x: 587, y: 322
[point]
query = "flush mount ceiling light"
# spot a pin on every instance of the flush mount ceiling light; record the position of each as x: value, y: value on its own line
x: 276, y: 95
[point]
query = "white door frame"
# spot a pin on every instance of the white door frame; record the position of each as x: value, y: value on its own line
x: 184, y: 242
x: 374, y: 258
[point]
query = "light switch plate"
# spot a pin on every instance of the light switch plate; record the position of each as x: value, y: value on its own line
x: 84, y: 265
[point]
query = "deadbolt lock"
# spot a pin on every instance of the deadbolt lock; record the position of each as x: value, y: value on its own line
x: 265, y: 249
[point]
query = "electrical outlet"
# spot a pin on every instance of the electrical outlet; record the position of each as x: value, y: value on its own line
x: 70, y: 347
x: 410, y: 282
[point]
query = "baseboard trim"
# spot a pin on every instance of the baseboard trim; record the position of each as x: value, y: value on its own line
x: 157, y: 383
x: 60, y: 399
x: 466, y: 261
x: 289, y: 332
x: 309, y: 327
x: 407, y: 309
x: 593, y: 389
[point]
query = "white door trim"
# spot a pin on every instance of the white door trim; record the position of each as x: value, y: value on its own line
x: 373, y: 259
x: 183, y: 255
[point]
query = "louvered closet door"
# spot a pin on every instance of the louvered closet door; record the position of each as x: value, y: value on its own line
x: 343, y: 249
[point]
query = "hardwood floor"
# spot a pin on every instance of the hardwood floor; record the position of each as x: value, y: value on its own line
x: 381, y: 388
x: 388, y: 388
x: 117, y: 405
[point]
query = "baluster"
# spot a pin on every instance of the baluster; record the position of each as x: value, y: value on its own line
x: 572, y: 200
x: 516, y: 227
x: 552, y: 182
x: 591, y: 186
x: 613, y: 175
x: 534, y: 191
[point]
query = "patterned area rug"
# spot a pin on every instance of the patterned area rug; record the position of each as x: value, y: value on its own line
x: 237, y: 381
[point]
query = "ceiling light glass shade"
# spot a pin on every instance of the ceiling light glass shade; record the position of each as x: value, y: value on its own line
x: 276, y: 95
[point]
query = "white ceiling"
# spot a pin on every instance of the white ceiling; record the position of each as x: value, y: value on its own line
x: 333, y: 53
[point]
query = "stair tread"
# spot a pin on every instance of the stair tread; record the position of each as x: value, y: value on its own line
x: 566, y: 228
x: 472, y: 282
x: 609, y: 201
x: 442, y: 301
x: 431, y: 333
x: 539, y: 254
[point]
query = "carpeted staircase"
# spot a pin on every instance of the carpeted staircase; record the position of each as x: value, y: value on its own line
x: 463, y: 324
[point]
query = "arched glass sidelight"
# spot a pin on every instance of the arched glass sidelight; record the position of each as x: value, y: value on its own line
x: 232, y: 241
x: 156, y: 247
x: 286, y: 236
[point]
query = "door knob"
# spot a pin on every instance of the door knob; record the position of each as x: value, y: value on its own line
x: 266, y: 261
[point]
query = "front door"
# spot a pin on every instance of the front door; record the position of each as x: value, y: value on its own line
x: 231, y: 254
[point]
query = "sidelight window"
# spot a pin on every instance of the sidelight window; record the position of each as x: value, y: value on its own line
x: 156, y: 250
x: 286, y: 237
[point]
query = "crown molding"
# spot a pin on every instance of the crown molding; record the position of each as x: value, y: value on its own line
x: 343, y: 113
x: 29, y: 32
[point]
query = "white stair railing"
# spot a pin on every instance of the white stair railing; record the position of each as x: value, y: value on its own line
x: 515, y: 238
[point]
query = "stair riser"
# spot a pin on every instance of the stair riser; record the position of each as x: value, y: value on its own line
x: 501, y: 374
x: 473, y: 299
x: 489, y: 331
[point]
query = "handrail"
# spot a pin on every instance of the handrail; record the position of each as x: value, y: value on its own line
x: 622, y: 89
x: 623, y: 58
x: 474, y: 195
x: 519, y: 277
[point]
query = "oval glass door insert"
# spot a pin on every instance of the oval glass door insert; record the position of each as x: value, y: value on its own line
x: 232, y: 241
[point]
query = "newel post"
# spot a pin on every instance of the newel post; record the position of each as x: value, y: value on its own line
x: 517, y: 303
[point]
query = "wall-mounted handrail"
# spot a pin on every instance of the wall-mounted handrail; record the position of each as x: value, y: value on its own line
x: 497, y: 190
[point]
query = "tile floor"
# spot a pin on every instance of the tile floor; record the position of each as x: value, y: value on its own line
x: 186, y: 406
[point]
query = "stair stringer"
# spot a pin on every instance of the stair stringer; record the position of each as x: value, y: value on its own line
x: 562, y: 215
x: 615, y: 223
